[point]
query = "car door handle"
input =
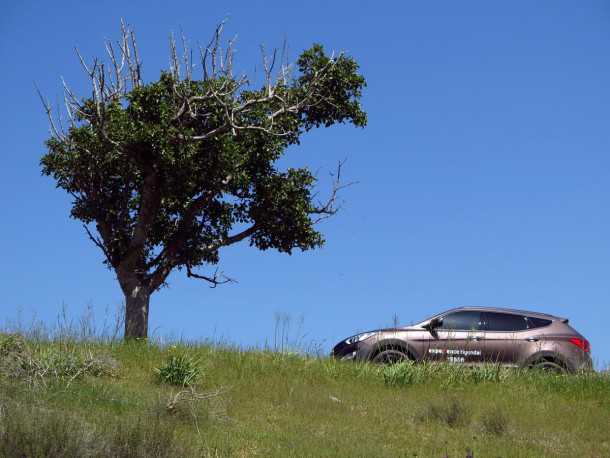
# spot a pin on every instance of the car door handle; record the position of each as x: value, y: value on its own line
x: 532, y: 339
x: 475, y: 338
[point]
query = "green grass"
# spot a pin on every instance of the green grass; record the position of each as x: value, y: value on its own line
x: 258, y: 403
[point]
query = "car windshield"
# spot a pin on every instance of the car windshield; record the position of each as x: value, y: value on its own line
x: 423, y: 322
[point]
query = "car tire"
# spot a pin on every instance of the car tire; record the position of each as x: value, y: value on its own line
x: 548, y: 365
x: 389, y: 356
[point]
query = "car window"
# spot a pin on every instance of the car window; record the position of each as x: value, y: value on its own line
x: 533, y: 323
x: 506, y: 322
x: 467, y: 320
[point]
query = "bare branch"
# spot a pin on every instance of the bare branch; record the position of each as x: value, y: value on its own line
x: 86, y: 68
x: 215, y: 280
x: 57, y: 133
x: 187, y: 58
x: 174, y: 61
x: 330, y: 208
x: 203, y: 55
x: 137, y: 64
x: 229, y: 57
x: 268, y: 69
x: 99, y: 244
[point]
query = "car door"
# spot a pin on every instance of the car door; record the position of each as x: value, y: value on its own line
x: 504, y: 337
x: 458, y: 339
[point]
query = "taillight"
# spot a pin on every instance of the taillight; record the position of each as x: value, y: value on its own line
x: 583, y: 344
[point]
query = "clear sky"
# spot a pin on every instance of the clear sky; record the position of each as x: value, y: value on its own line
x: 483, y: 173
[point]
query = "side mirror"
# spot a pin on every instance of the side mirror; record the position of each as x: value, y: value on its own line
x: 433, y: 324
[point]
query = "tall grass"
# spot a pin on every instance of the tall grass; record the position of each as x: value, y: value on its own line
x: 29, y: 430
x: 277, y: 401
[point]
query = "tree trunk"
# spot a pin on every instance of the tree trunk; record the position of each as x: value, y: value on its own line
x: 136, y: 313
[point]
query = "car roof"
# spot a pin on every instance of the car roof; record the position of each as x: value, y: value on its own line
x: 506, y: 310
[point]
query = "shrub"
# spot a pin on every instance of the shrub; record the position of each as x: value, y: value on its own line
x: 11, y: 343
x: 72, y: 364
x: 179, y: 370
x: 453, y: 413
x: 37, y: 362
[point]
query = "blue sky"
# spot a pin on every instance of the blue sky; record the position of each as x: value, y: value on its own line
x: 483, y: 173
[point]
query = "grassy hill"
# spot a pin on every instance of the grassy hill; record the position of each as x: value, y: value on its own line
x: 65, y: 398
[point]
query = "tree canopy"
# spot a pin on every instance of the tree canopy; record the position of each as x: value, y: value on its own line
x: 165, y: 173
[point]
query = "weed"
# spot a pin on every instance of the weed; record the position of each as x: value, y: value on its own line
x: 494, y: 421
x: 179, y: 370
x: 486, y: 373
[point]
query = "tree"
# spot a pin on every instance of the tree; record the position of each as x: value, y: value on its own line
x: 164, y: 174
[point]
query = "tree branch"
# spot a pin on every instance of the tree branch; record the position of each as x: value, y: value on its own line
x: 99, y: 244
x: 214, y: 280
x: 149, y: 206
x: 329, y: 208
x: 235, y: 238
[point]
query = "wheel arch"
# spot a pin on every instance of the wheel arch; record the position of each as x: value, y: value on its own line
x: 550, y: 356
x: 393, y: 344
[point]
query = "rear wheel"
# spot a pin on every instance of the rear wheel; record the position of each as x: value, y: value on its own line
x: 390, y: 356
x: 548, y: 365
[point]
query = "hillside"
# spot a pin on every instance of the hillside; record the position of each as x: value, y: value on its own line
x: 102, y: 399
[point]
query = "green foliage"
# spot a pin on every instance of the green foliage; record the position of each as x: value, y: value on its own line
x: 171, y: 170
x: 179, y: 370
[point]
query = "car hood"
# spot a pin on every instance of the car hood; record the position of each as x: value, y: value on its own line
x: 398, y: 329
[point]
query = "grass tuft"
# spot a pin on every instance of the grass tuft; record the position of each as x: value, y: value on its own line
x: 179, y: 370
x: 494, y: 421
x: 35, y: 361
x: 452, y: 413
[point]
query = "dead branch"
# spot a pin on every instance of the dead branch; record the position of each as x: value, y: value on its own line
x: 329, y: 207
x: 215, y: 280
x: 47, y: 108
x: 190, y: 395
x: 108, y: 84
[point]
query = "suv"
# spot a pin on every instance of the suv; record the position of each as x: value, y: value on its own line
x: 475, y: 335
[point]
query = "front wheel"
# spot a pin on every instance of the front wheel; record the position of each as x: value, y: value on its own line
x: 390, y: 356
